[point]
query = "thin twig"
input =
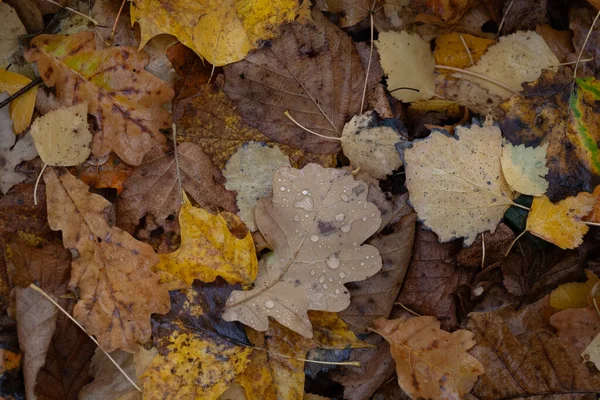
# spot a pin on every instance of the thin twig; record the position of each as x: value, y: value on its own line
x: 21, y: 91
x: 591, y: 223
x: 287, y: 114
x: 92, y: 20
x: 37, y: 181
x: 462, y: 39
x: 407, y: 309
x: 504, y: 18
x: 596, y: 305
x: 477, y: 75
x: 482, y: 251
x: 114, y: 28
x: 514, y: 241
x: 362, y: 103
x: 40, y: 291
x: 585, y: 44
x: 174, y: 128
x: 572, y: 62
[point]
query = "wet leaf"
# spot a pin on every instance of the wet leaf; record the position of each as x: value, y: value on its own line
x: 21, y: 109
x: 315, y: 222
x: 524, y: 168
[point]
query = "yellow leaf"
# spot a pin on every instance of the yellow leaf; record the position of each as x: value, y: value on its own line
x: 210, y: 249
x: 573, y: 294
x: 21, y: 109
x: 451, y: 51
x: 561, y: 223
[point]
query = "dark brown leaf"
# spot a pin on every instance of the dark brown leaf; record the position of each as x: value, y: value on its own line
x: 496, y: 245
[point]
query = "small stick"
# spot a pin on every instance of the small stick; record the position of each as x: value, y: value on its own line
x: 174, y: 128
x: 37, y: 181
x: 40, y: 291
x: 572, y: 62
x: 287, y: 114
x: 462, y: 39
x: 504, y: 18
x: 584, y: 45
x: 513, y: 242
x: 21, y: 91
x: 114, y: 28
x: 407, y: 309
x: 475, y: 74
x: 482, y: 251
x: 362, y: 103
x: 596, y: 305
x: 92, y: 20
x: 591, y: 223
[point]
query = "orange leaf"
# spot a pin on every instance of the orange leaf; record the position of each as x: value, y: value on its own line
x: 594, y: 216
x: 450, y: 50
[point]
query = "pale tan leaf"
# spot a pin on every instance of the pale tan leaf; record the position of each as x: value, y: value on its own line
x: 11, y: 28
x: 524, y: 168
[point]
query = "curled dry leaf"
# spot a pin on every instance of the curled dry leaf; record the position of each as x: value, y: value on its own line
x: 111, y: 271
x: 152, y: 188
x: 62, y: 136
x: 524, y: 168
x: 430, y: 363
x: 21, y: 109
x: 126, y: 100
x: 249, y: 172
x: 457, y: 196
x: 210, y: 248
x: 315, y: 222
x: 313, y: 71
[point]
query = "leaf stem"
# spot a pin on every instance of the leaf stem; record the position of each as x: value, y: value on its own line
x: 591, y: 223
x: 114, y: 28
x: 513, y: 242
x: 21, y: 91
x: 287, y: 114
x: 407, y: 309
x: 174, y: 129
x: 520, y: 206
x: 477, y: 75
x: 362, y: 103
x: 37, y: 182
x: 585, y: 44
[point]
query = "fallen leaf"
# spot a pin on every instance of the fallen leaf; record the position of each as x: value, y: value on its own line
x: 350, y: 12
x: 443, y: 11
x: 12, y: 154
x: 111, y: 271
x: 200, y: 355
x: 210, y: 248
x: 19, y: 213
x: 12, y: 28
x: 220, y: 32
x: 578, y: 328
x: 561, y: 223
x: 559, y: 41
x: 409, y: 65
x: 319, y: 79
x: 573, y: 294
x: 31, y: 12
x: 452, y: 52
x: 315, y: 221
x: 100, y: 173
x: 594, y: 215
x: 374, y: 297
x: 496, y: 245
x: 524, y: 15
x: 21, y: 109
x: 457, y: 196
x: 249, y: 172
x: 36, y: 321
x: 524, y: 168
x: 278, y: 372
x: 515, y: 59
x: 580, y: 21
x: 210, y: 120
x: 62, y: 136
x: 126, y: 100
x: 370, y: 146
x: 153, y: 189
x: 468, y: 94
x: 430, y: 363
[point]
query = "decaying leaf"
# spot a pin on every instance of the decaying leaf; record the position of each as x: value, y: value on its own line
x: 515, y: 59
x: 430, y: 363
x: 11, y: 29
x: 561, y: 223
x: 313, y: 71
x: 222, y: 32
x: 315, y: 222
x: 451, y: 51
x: 408, y: 63
x: 350, y: 12
x: 62, y: 136
x: 152, y: 188
x: 457, y: 196
x: 496, y: 245
x: 249, y: 172
x: 21, y: 109
x: 200, y: 355
x: 573, y: 294
x: 547, y: 113
x: 371, y: 147
x: 524, y: 168
x: 19, y: 213
x: 126, y: 100
x: 210, y: 249
x: 111, y: 271
x: 111, y: 172
x: 12, y: 154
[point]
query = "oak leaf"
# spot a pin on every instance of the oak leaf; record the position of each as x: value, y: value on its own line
x: 209, y: 248
x: 524, y: 168
x: 111, y: 271
x: 573, y: 294
x: 21, y: 109
x: 430, y: 363
x: 249, y: 172
x: 313, y: 71
x: 561, y: 223
x: 62, y: 137
x: 457, y: 196
x: 222, y: 32
x: 153, y: 189
x: 315, y: 222
x: 126, y: 100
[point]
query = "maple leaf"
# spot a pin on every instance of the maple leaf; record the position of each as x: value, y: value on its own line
x: 111, y: 271
x: 62, y: 136
x: 199, y: 352
x: 315, y: 221
x: 430, y: 363
x: 21, y: 109
x: 152, y: 187
x: 450, y: 50
x: 457, y: 196
x: 548, y: 112
x: 210, y: 248
x: 249, y: 172
x: 221, y: 32
x: 524, y: 168
x: 12, y: 154
x: 313, y: 71
x: 560, y: 223
x: 125, y: 99
x: 270, y: 376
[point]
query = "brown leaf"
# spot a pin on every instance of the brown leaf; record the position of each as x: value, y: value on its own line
x: 374, y: 298
x: 535, y: 363
x: 126, y: 100
x: 576, y: 328
x: 19, y: 213
x: 560, y: 42
x: 111, y: 271
x: 432, y: 278
x: 580, y: 21
x: 153, y: 189
x: 195, y: 71
x: 496, y: 245
x: 523, y: 15
x: 313, y: 71
x: 31, y: 12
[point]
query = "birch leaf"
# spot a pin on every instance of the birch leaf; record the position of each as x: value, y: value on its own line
x: 21, y: 109
x: 315, y: 221
x: 524, y: 168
